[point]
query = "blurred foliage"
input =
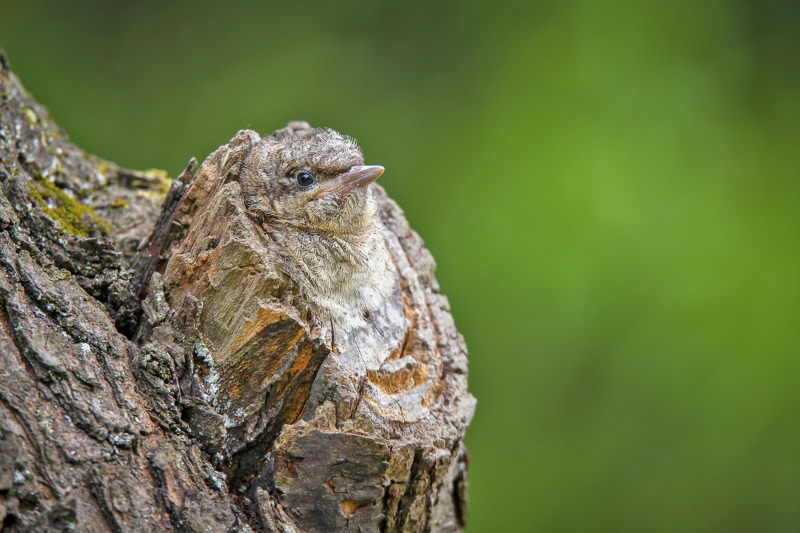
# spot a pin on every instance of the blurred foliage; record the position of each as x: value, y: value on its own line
x: 610, y: 189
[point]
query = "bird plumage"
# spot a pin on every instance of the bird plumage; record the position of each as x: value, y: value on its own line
x: 310, y: 192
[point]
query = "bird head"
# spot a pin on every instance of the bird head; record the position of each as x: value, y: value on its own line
x: 309, y: 178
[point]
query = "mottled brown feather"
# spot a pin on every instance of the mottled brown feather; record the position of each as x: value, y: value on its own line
x: 331, y: 245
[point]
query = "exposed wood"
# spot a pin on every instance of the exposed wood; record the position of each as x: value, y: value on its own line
x: 151, y: 255
x: 199, y: 391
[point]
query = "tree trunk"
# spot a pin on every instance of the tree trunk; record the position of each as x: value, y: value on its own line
x: 159, y: 373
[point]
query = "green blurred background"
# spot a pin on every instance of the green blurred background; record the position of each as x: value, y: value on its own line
x: 610, y: 190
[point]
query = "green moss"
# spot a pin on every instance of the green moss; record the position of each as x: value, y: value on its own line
x: 68, y: 211
x: 282, y: 481
x: 160, y: 177
x: 33, y: 119
x: 152, y: 179
x: 106, y: 167
x: 119, y: 202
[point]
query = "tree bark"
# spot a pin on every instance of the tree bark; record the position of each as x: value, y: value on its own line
x: 159, y: 373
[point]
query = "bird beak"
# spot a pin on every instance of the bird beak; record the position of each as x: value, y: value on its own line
x: 358, y: 176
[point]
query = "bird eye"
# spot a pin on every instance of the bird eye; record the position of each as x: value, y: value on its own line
x: 304, y: 179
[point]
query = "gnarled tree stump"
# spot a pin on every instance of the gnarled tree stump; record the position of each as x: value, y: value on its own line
x: 160, y: 374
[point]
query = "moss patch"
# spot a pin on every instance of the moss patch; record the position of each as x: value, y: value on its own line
x: 161, y: 178
x: 68, y: 211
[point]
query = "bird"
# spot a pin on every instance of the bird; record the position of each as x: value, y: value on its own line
x: 310, y: 193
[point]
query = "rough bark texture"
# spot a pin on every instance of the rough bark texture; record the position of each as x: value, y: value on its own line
x: 158, y: 373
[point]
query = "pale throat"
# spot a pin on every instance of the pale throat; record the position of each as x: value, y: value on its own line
x: 336, y: 251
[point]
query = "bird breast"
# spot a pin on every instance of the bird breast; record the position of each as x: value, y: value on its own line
x: 345, y: 275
